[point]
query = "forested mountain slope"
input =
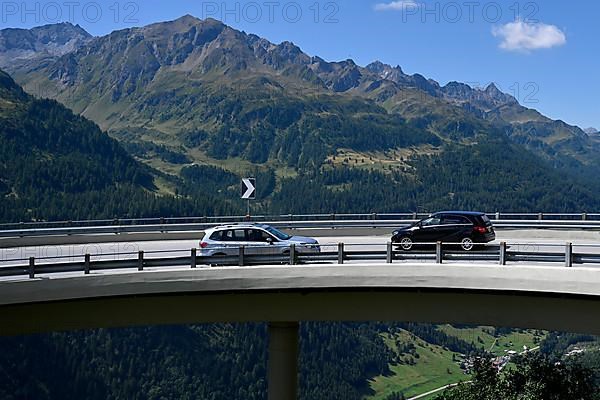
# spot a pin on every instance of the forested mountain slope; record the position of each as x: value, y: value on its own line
x: 57, y: 165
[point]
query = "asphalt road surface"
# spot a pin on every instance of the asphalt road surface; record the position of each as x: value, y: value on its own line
x: 522, y: 240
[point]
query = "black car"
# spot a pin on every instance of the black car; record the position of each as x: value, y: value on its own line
x: 461, y: 227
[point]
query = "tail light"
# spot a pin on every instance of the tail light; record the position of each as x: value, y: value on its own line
x: 480, y: 229
x: 203, y: 245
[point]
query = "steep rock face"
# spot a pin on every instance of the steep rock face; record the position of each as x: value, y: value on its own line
x: 18, y: 45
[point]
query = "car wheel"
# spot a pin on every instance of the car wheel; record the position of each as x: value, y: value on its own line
x: 467, y: 244
x: 406, y: 243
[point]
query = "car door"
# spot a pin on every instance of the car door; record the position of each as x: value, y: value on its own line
x: 453, y: 228
x: 258, y: 242
x: 233, y: 239
x: 428, y: 230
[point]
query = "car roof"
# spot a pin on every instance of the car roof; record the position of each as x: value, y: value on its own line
x: 240, y: 225
x: 469, y: 213
x: 234, y: 226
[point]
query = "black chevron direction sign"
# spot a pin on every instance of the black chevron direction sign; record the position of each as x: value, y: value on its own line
x: 249, y: 188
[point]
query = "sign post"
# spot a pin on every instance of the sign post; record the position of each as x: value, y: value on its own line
x: 248, y: 192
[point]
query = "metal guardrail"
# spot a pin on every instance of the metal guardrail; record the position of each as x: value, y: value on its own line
x: 497, y: 216
x: 341, y: 253
x: 344, y: 221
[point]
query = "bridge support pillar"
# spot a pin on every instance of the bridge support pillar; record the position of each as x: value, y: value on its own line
x: 283, y: 361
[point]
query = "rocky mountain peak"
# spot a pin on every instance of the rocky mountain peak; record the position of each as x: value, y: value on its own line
x: 386, y: 71
x: 592, y: 131
x: 186, y: 25
x: 290, y: 51
x: 492, y: 90
x: 457, y: 90
x: 60, y: 32
x: 17, y: 45
x: 499, y: 96
x: 485, y: 99
x: 188, y: 18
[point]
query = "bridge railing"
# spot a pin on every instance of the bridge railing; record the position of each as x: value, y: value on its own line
x: 322, y: 221
x: 411, y: 216
x: 504, y: 254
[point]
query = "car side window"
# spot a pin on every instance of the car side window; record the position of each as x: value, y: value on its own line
x: 257, y: 235
x: 236, y: 235
x: 217, y: 236
x: 431, y: 221
x: 453, y: 220
x: 483, y: 220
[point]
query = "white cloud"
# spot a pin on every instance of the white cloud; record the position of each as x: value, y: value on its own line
x: 399, y: 5
x: 526, y: 36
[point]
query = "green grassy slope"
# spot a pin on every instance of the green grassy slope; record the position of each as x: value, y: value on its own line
x: 431, y: 366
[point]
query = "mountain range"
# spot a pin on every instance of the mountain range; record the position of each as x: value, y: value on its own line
x: 182, y: 82
x: 189, y: 95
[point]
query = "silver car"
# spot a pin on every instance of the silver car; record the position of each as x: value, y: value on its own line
x: 257, y: 240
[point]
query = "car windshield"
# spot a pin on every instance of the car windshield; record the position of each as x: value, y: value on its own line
x: 277, y: 233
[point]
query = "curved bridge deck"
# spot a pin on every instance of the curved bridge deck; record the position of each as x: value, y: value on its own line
x: 551, y: 298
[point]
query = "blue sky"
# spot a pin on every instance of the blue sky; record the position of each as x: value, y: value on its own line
x: 544, y: 53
